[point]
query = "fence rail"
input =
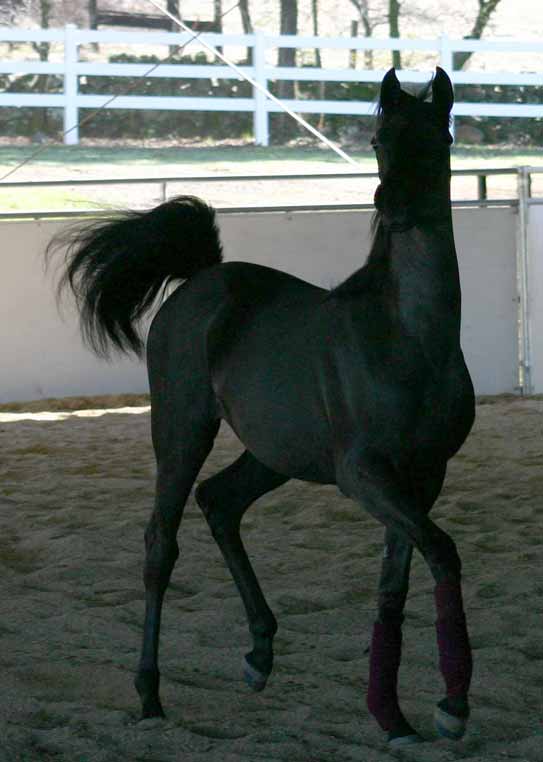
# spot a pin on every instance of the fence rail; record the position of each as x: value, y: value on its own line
x: 523, y: 176
x: 71, y: 68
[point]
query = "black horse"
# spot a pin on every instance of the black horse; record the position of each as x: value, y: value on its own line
x: 363, y: 386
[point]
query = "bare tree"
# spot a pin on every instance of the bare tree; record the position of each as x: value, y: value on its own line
x: 246, y: 22
x: 217, y: 14
x: 394, y: 29
x: 318, y: 57
x: 247, y: 25
x: 287, y: 57
x: 39, y: 117
x: 368, y: 24
x: 44, y: 10
x: 315, y: 22
x: 9, y: 9
x: 92, y: 14
x: 172, y: 6
x: 397, y: 11
x: 217, y: 19
x: 485, y: 10
x: 288, y: 25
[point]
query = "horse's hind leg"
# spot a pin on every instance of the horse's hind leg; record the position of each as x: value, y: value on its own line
x: 224, y: 498
x: 180, y: 455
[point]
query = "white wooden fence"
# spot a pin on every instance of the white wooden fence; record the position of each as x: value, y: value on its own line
x: 71, y: 68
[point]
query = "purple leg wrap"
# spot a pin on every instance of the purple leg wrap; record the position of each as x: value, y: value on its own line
x: 385, y: 655
x: 455, y: 659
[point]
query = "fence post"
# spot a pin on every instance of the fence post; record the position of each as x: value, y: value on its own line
x: 482, y: 193
x: 261, y: 130
x: 446, y: 61
x: 525, y: 349
x: 71, y: 114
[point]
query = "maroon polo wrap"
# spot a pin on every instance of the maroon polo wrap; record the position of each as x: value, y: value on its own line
x: 455, y: 661
x: 385, y: 655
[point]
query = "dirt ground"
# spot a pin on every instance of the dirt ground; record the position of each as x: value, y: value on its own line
x: 75, y: 494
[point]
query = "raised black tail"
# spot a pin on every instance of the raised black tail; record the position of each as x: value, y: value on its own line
x: 116, y: 267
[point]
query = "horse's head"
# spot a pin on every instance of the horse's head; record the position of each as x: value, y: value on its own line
x: 412, y: 144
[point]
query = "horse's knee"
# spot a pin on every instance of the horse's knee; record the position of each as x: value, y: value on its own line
x: 391, y: 606
x: 442, y: 557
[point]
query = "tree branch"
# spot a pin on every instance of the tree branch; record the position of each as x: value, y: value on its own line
x: 486, y: 9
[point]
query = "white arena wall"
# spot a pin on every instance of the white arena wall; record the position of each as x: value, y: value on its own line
x: 535, y: 295
x: 43, y: 356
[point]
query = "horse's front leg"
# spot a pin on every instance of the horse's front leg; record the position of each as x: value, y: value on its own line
x: 386, y: 642
x: 376, y: 484
x: 385, y: 652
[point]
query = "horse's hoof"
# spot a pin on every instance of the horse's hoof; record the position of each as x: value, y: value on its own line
x: 254, y: 679
x: 152, y: 709
x: 149, y: 723
x: 400, y: 741
x: 449, y: 726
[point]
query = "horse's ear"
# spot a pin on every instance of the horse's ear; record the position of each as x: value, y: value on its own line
x: 390, y: 91
x: 442, y: 91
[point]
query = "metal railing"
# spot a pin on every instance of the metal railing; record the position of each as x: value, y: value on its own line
x: 521, y: 202
x: 164, y: 181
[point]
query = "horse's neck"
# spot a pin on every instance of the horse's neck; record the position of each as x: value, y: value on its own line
x: 424, y: 271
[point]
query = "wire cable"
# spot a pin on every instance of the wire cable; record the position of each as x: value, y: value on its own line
x: 259, y: 87
x: 110, y: 100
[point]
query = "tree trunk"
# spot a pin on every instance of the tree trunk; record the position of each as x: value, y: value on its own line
x: 92, y: 14
x: 287, y: 57
x: 217, y: 9
x: 315, y: 20
x: 40, y: 119
x: 173, y: 8
x: 217, y: 20
x: 42, y: 48
x: 364, y: 13
x: 486, y: 9
x: 245, y: 16
x: 394, y: 28
x: 289, y: 25
x: 353, y: 54
x: 247, y: 25
x: 318, y: 57
x: 93, y: 10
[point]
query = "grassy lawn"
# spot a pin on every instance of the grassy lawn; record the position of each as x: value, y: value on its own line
x: 170, y: 159
x: 244, y: 158
x: 91, y: 161
x: 16, y: 200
